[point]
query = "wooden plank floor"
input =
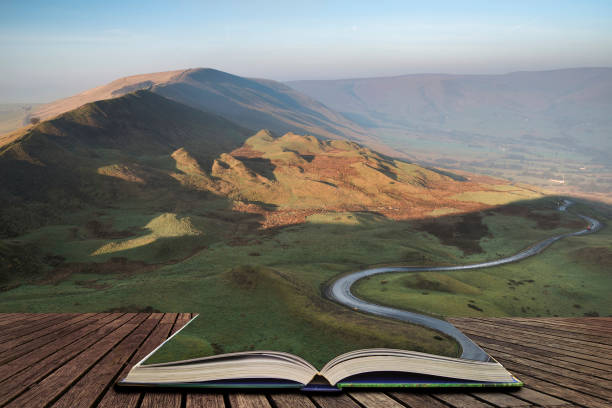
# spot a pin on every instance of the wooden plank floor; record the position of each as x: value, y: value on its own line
x: 73, y: 360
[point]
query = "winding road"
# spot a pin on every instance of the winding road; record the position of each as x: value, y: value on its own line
x: 340, y: 290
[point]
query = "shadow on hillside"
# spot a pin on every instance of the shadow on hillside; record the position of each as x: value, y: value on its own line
x: 454, y: 176
x: 259, y: 165
x: 307, y: 157
x: 23, y: 260
x: 307, y: 255
x: 457, y: 228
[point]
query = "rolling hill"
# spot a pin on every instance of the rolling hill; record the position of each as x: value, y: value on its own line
x: 532, y: 127
x: 252, y: 103
x: 99, y: 152
x: 293, y: 176
x: 144, y: 148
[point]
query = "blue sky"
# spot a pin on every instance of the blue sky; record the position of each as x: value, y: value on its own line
x: 51, y: 49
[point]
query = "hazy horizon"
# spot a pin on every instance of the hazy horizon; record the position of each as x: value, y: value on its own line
x: 55, y: 50
x: 2, y: 101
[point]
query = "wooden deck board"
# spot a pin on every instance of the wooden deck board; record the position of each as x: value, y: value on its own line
x: 25, y: 327
x: 70, y: 360
x: 165, y: 400
x: 201, y: 400
x: 375, y: 399
x: 538, y: 398
x: 116, y: 398
x: 292, y: 400
x: 461, y: 400
x: 170, y: 399
x: 542, y: 344
x: 557, y: 378
x: 550, y: 370
x: 53, y: 386
x: 542, y: 326
x: 565, y: 343
x: 66, y: 324
x: 61, y: 344
x: 552, y: 353
x: 89, y: 388
x: 15, y: 385
x: 23, y: 345
x: 335, y: 401
x: 8, y: 319
x: 411, y: 399
x: 546, y: 359
x: 243, y: 400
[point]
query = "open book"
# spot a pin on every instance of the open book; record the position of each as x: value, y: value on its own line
x: 376, y: 367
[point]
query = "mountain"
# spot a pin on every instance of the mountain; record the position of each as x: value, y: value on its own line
x: 533, y: 126
x: 139, y: 123
x: 101, y: 152
x: 146, y: 151
x: 252, y: 103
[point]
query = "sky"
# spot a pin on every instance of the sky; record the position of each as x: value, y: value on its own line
x: 53, y: 49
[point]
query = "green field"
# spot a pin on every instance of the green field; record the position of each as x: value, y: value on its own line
x: 253, y: 286
x: 571, y: 278
x: 124, y: 249
x: 243, y: 305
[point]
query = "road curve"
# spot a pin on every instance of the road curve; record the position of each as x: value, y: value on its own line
x: 340, y: 290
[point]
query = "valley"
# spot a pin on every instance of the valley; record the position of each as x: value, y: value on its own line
x: 341, y: 289
x: 531, y: 127
x: 144, y: 202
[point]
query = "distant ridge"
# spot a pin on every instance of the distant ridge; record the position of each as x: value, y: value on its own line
x: 450, y: 74
x: 252, y: 103
x: 567, y: 107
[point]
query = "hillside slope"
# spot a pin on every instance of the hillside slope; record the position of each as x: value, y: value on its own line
x: 101, y: 152
x: 532, y: 126
x: 147, y: 150
x: 253, y: 103
x: 286, y: 179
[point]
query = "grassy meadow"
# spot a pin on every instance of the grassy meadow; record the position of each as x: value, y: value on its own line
x: 123, y: 258
x: 262, y: 288
x: 571, y: 278
x: 249, y: 292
